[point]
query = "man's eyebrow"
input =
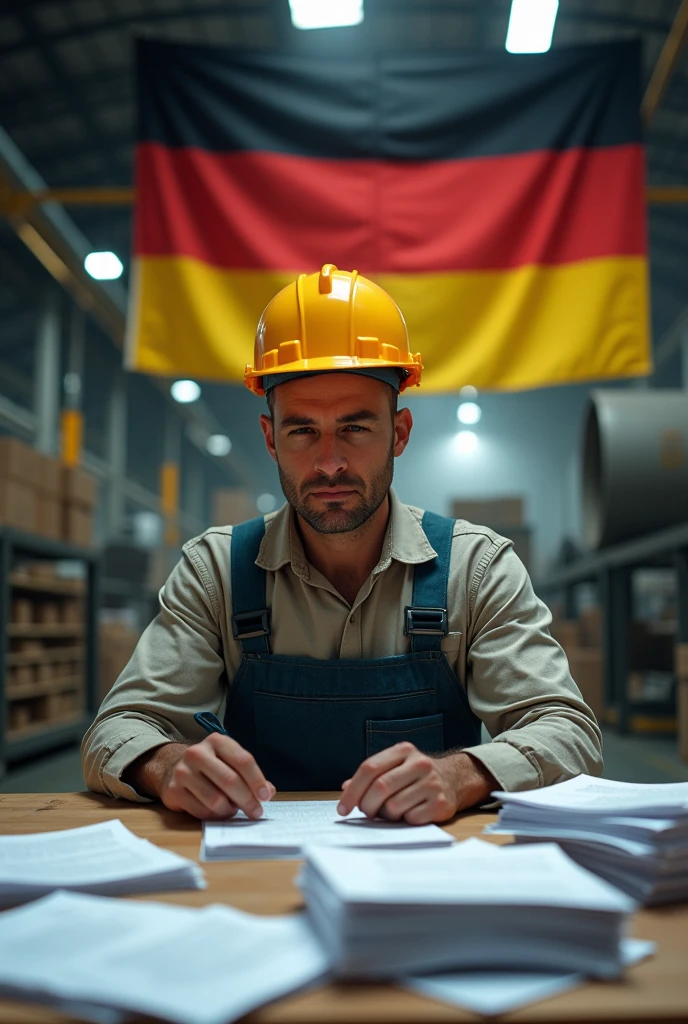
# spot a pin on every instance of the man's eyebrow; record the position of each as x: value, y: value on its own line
x: 362, y: 415
x: 357, y: 417
x: 297, y: 421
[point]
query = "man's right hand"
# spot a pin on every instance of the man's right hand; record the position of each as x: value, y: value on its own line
x: 212, y: 779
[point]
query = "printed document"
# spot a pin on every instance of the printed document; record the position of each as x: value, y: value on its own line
x: 289, y: 825
x: 105, y: 858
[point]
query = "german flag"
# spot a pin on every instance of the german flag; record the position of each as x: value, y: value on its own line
x: 499, y: 198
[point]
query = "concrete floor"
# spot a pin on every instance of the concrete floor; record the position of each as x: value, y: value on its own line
x: 628, y: 758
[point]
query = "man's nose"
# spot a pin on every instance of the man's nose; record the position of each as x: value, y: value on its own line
x: 330, y: 460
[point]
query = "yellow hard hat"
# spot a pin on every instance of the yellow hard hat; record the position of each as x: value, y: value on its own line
x: 331, y: 321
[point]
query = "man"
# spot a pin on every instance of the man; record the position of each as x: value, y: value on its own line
x: 349, y: 640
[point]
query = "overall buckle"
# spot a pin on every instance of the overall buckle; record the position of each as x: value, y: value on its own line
x: 247, y: 625
x: 425, y: 622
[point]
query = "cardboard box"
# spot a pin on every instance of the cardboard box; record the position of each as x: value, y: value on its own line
x: 18, y: 505
x: 48, y: 612
x: 19, y: 462
x: 567, y: 633
x: 48, y: 516
x: 587, y: 669
x: 77, y: 526
x: 20, y: 716
x: 682, y: 711
x: 591, y: 626
x: 71, y: 611
x: 22, y: 611
x: 117, y: 644
x: 232, y: 505
x: 49, y: 470
x: 79, y: 488
x: 497, y: 513
x: 681, y: 660
x: 45, y: 672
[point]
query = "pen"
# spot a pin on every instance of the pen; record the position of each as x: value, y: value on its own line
x: 210, y: 722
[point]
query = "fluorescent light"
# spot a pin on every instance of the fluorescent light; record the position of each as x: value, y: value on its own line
x: 531, y: 25
x: 104, y: 266
x: 185, y: 391
x: 266, y: 503
x: 325, y: 13
x: 469, y: 412
x: 218, y: 444
x: 466, y: 442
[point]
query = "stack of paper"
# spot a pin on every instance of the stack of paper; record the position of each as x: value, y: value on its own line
x: 190, y: 966
x: 635, y: 836
x: 472, y: 905
x: 288, y: 826
x: 106, y: 858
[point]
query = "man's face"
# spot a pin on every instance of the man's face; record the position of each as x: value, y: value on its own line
x: 334, y: 439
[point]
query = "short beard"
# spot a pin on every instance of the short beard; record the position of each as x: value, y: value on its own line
x: 341, y: 521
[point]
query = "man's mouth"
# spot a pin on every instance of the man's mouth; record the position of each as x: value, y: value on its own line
x: 333, y: 494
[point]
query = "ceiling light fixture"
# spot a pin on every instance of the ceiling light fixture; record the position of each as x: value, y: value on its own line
x: 218, y: 444
x: 103, y: 266
x: 185, y: 391
x: 466, y: 442
x: 469, y: 413
x: 531, y: 25
x: 325, y: 13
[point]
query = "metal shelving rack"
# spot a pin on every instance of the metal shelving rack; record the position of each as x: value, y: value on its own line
x: 45, y: 736
x: 612, y: 570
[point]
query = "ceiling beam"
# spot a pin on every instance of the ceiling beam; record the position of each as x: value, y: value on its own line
x: 668, y: 59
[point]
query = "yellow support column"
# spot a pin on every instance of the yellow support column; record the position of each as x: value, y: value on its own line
x: 169, y: 500
x: 72, y: 437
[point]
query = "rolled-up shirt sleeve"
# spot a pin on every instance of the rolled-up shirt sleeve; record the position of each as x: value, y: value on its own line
x: 519, y: 684
x: 175, y: 671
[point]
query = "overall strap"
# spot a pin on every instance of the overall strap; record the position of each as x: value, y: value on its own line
x: 426, y: 621
x: 251, y: 617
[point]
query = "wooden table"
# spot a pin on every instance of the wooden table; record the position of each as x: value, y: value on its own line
x: 655, y: 991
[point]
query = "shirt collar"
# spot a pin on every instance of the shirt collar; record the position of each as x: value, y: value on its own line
x: 404, y: 540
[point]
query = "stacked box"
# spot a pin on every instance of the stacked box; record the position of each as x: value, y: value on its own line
x: 48, y: 507
x: 117, y: 644
x: 232, y: 505
x: 681, y: 665
x: 19, y: 471
x: 581, y: 640
x: 79, y: 499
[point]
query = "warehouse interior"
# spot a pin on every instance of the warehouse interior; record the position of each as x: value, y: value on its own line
x: 104, y: 474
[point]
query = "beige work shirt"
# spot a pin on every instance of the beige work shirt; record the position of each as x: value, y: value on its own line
x: 515, y: 674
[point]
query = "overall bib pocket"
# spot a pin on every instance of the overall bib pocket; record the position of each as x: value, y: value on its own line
x: 425, y: 732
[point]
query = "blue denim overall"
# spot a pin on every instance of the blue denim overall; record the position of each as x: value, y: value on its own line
x: 310, y: 723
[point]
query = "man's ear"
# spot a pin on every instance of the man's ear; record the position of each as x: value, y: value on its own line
x: 268, y: 427
x: 403, y: 424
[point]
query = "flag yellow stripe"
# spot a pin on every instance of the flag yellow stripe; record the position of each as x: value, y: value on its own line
x: 498, y: 330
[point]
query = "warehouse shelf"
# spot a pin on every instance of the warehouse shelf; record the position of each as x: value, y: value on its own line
x: 41, y: 631
x: 612, y: 569
x: 48, y: 643
x: 42, y: 585
x: 65, y: 685
x: 44, y: 736
x: 47, y: 654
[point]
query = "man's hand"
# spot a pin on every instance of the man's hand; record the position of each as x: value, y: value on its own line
x: 401, y: 783
x: 211, y: 780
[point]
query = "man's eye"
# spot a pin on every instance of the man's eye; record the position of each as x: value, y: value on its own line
x: 356, y: 429
x: 301, y: 430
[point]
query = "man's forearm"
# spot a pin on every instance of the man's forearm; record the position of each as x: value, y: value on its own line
x: 148, y: 773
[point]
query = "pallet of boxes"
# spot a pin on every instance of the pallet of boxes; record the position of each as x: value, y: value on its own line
x: 681, y: 666
x: 45, y: 659
x: 581, y: 640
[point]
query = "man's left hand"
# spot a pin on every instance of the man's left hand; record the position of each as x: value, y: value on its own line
x: 401, y: 783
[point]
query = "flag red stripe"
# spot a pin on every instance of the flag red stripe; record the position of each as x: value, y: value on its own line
x: 255, y: 210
